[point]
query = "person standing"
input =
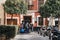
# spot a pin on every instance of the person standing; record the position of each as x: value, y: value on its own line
x: 35, y: 26
x: 22, y: 30
x: 27, y: 27
x: 31, y: 27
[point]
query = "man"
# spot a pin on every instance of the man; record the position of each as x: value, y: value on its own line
x: 27, y: 27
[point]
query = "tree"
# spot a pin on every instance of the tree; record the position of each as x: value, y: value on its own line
x: 50, y: 7
x: 15, y: 6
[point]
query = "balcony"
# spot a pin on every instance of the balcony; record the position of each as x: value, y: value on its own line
x: 32, y: 10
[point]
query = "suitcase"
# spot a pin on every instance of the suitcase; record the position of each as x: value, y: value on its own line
x: 22, y: 30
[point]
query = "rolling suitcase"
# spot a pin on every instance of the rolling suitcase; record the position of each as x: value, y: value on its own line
x: 22, y: 30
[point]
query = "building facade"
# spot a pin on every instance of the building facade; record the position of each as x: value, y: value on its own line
x: 1, y: 15
x: 2, y: 12
x: 32, y: 15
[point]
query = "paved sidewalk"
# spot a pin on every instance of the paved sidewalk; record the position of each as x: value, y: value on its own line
x: 30, y: 36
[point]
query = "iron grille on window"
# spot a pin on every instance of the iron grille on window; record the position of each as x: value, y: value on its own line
x: 40, y: 20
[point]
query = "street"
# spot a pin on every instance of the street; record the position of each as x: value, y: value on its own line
x: 30, y: 36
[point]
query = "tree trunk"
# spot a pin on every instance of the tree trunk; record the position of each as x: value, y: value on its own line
x: 11, y: 19
x: 46, y: 22
x: 4, y: 15
x: 52, y: 21
x: 59, y: 23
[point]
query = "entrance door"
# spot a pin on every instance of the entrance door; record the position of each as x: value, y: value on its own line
x: 27, y: 18
x: 40, y: 21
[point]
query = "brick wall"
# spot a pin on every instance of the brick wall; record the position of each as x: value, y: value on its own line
x: 35, y: 5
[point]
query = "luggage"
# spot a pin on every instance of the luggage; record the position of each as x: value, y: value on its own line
x: 22, y: 30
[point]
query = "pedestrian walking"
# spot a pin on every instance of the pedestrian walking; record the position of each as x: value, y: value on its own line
x: 31, y: 27
x: 22, y: 28
x: 27, y: 27
x: 35, y: 26
x: 40, y: 31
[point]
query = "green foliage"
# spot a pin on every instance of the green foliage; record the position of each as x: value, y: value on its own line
x: 9, y: 31
x: 43, y: 12
x: 15, y: 6
x: 50, y: 7
x: 23, y: 7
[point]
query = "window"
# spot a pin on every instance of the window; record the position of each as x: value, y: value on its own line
x: 40, y: 21
x: 40, y: 2
x: 11, y: 20
x: 30, y: 7
x: 30, y: 4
